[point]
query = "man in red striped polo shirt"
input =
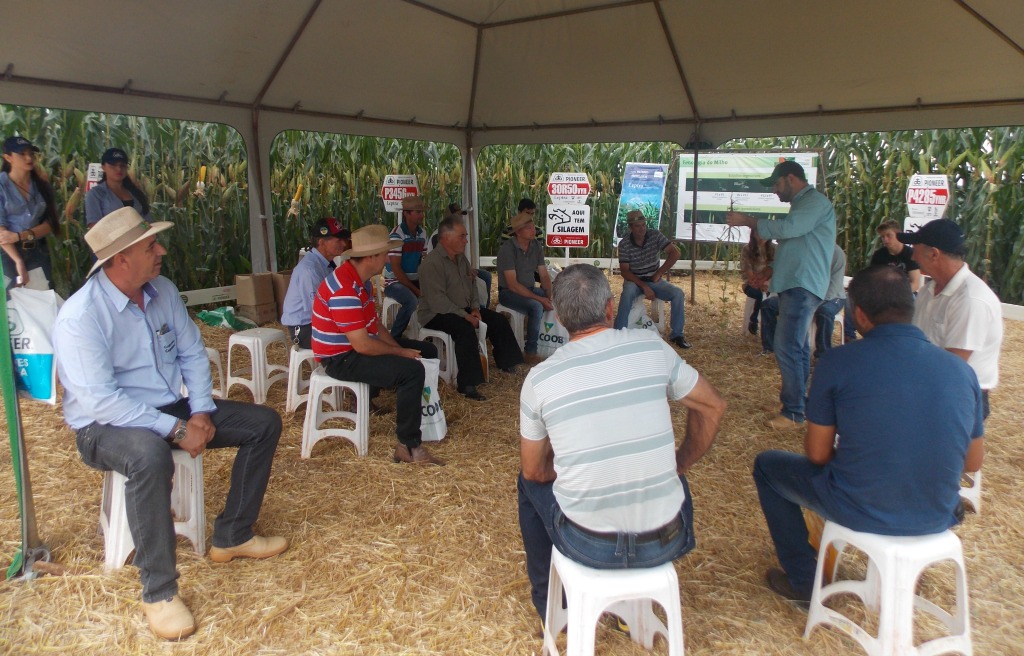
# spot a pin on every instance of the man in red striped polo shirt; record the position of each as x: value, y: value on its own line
x: 346, y: 340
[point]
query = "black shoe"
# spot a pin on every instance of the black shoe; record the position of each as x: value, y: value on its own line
x: 680, y: 342
x: 752, y: 328
x: 469, y: 391
x: 510, y: 370
x: 779, y: 583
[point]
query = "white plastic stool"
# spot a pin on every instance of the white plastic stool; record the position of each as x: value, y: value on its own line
x: 894, y: 566
x: 187, y: 506
x: 390, y: 312
x: 972, y: 493
x: 359, y: 434
x: 256, y: 340
x: 218, y: 390
x: 658, y: 314
x: 445, y: 353
x: 297, y: 385
x: 518, y: 322
x: 627, y: 593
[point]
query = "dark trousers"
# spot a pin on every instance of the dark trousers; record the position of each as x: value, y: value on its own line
x: 391, y: 371
x: 543, y: 526
x: 145, y: 459
x: 758, y: 296
x: 301, y: 335
x: 506, y: 348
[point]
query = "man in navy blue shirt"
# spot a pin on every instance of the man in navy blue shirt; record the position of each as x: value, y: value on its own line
x: 882, y: 456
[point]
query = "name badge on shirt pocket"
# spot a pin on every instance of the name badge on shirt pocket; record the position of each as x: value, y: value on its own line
x: 168, y: 345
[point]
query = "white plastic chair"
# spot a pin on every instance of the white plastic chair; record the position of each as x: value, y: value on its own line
x: 445, y: 352
x: 359, y: 434
x: 972, y: 493
x: 297, y: 385
x: 187, y: 506
x: 894, y: 566
x: 518, y: 322
x: 627, y: 593
x: 264, y: 374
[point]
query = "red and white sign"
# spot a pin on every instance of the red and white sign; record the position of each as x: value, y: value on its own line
x: 568, y: 226
x: 395, y: 188
x: 927, y: 196
x: 569, y: 188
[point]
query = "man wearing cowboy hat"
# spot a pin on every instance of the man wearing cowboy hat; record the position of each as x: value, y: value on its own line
x: 519, y: 258
x: 347, y: 342
x: 401, y: 277
x: 125, y: 345
x: 327, y: 241
x: 642, y: 272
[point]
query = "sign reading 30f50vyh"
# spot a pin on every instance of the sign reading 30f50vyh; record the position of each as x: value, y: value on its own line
x: 568, y: 226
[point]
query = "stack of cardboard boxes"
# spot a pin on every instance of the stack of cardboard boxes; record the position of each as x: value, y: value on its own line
x: 260, y: 296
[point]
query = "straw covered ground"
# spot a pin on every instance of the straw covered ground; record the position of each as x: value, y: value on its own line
x: 390, y: 559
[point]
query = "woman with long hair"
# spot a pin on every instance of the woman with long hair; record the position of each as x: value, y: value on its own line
x: 28, y: 213
x: 115, y: 190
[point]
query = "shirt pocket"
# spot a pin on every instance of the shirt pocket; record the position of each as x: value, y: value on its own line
x: 168, y: 345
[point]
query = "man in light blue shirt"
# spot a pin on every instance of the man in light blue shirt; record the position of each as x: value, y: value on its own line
x: 124, y: 345
x: 806, y: 237
x: 328, y: 240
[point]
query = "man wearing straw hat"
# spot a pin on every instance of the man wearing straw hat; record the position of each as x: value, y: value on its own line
x: 642, y: 271
x: 519, y: 258
x: 124, y: 345
x: 347, y: 342
x: 880, y: 455
x: 605, y: 489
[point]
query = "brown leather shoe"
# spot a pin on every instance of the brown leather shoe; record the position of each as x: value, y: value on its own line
x: 257, y: 547
x: 170, y: 619
x: 782, y: 422
x: 532, y: 358
x: 416, y: 456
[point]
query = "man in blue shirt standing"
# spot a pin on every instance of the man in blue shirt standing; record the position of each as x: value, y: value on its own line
x: 882, y: 456
x: 327, y: 241
x: 806, y: 237
x: 125, y: 344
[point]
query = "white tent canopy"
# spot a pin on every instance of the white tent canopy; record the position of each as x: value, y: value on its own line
x: 480, y: 72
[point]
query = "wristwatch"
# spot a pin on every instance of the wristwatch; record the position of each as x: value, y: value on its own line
x: 179, y: 433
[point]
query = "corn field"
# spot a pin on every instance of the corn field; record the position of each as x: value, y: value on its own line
x: 341, y: 175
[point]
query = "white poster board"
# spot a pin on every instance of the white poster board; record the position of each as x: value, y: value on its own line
x: 732, y: 181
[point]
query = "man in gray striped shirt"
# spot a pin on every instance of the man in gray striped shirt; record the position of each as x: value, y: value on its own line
x: 602, y: 479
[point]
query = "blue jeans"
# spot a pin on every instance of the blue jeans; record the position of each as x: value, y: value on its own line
x: 769, y: 319
x: 485, y: 275
x: 664, y: 291
x: 145, y: 459
x: 533, y: 310
x: 824, y: 318
x: 849, y: 329
x: 407, y: 299
x: 792, y: 348
x: 783, y: 481
x: 543, y: 525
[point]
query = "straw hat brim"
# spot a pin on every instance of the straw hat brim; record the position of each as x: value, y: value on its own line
x: 372, y: 250
x: 154, y: 228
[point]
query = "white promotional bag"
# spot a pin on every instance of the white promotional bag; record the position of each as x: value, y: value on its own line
x: 638, y: 317
x: 433, y: 424
x: 30, y: 317
x: 552, y: 334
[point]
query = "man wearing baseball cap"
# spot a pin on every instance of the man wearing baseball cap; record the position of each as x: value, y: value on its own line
x: 956, y: 309
x: 348, y: 343
x: 801, y: 272
x: 125, y: 345
x: 328, y: 240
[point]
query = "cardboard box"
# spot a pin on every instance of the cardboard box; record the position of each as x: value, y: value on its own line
x: 254, y: 289
x: 281, y: 280
x: 261, y: 314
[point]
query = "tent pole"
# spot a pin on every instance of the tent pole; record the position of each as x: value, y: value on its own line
x: 693, y: 220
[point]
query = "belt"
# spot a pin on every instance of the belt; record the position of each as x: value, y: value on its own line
x: 665, y: 534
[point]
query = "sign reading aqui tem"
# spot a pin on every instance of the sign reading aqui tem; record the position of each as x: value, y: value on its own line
x: 395, y: 188
x: 927, y: 196
x: 568, y: 226
x: 569, y: 188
